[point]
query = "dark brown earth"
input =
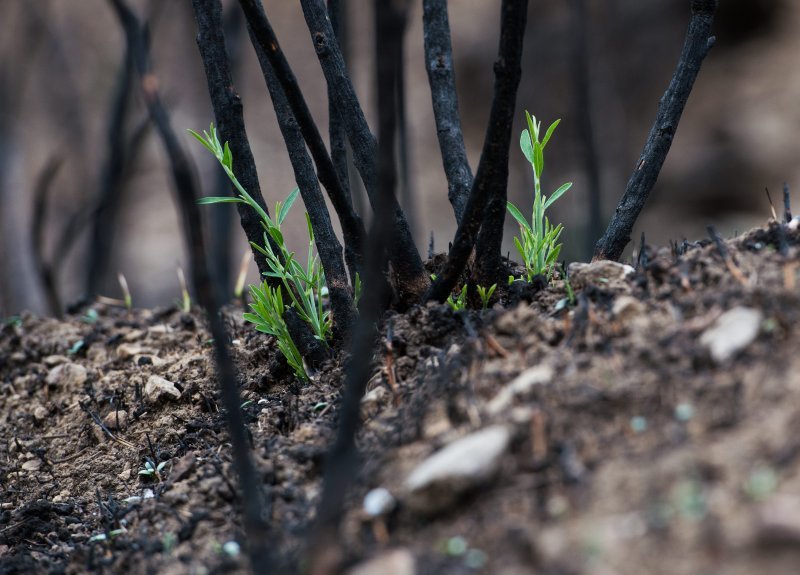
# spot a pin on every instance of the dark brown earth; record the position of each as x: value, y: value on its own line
x: 638, y: 451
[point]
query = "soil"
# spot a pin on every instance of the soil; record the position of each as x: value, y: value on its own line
x: 643, y: 451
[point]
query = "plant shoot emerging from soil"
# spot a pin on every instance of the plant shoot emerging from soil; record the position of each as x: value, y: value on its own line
x: 538, y: 246
x: 305, y: 286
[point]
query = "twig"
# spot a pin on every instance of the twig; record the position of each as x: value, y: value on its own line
x: 46, y: 269
x: 491, y: 179
x: 263, y: 36
x: 583, y: 111
x: 695, y: 48
x: 411, y: 279
x: 787, y: 203
x: 441, y: 77
x: 771, y: 205
x: 726, y: 256
x: 99, y: 422
x: 228, y: 113
x: 342, y: 461
x: 186, y: 192
x: 337, y: 12
x: 328, y: 246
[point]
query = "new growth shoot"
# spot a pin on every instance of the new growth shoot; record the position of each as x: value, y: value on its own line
x: 538, y: 245
x: 301, y: 287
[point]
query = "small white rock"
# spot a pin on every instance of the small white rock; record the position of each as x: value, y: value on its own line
x: 67, y: 374
x: 460, y: 466
x: 158, y: 387
x: 378, y: 502
x: 733, y: 331
x: 604, y: 273
x: 522, y: 384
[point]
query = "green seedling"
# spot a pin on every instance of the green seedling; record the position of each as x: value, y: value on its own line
x: 305, y: 287
x: 103, y: 537
x: 538, y: 245
x: 126, y: 293
x: 357, y: 289
x: 152, y: 470
x: 458, y: 303
x: 186, y: 300
x: 486, y: 294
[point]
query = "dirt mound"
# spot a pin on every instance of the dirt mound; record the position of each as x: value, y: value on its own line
x: 647, y: 426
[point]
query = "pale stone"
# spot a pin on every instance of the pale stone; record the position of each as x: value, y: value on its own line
x: 460, y: 466
x: 733, y: 331
x: 67, y: 374
x: 522, y: 384
x: 110, y: 420
x: 158, y: 387
x: 606, y: 274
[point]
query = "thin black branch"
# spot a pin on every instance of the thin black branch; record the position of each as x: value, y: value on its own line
x: 337, y: 12
x: 489, y: 266
x: 187, y: 195
x: 263, y: 36
x: 411, y: 280
x: 406, y: 189
x: 342, y: 461
x: 46, y: 270
x: 695, y: 48
x: 230, y: 122
x: 228, y: 112
x: 328, y: 246
x: 583, y: 113
x: 489, y: 187
x: 442, y: 79
x: 104, y: 223
x: 787, y: 203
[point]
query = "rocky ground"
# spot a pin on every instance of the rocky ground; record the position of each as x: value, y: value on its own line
x: 650, y: 425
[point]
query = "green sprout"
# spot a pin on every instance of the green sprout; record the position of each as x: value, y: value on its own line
x: 186, y: 300
x: 126, y: 292
x: 486, y: 294
x: 152, y: 470
x: 458, y: 303
x: 538, y: 246
x: 305, y: 286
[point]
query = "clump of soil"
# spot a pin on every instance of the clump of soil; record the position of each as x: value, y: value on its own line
x: 652, y: 426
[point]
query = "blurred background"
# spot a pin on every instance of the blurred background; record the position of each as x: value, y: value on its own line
x: 74, y: 129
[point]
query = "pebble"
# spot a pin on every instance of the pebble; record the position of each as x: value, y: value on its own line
x: 627, y: 308
x: 32, y: 465
x: 157, y: 387
x: 733, y: 331
x: 40, y: 414
x: 522, y: 384
x: 67, y: 375
x: 462, y: 465
x: 129, y: 350
x: 394, y: 562
x: 110, y: 420
x: 379, y: 502
x: 606, y: 274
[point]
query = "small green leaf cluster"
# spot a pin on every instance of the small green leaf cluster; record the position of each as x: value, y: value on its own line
x: 486, y: 294
x: 458, y: 303
x: 538, y: 245
x: 152, y: 470
x: 304, y: 286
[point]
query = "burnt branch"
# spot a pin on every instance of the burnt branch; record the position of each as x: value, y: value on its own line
x: 328, y: 246
x: 337, y: 12
x: 228, y: 113
x: 264, y: 39
x: 583, y: 112
x: 489, y: 265
x: 342, y: 461
x: 487, y: 203
x: 696, y: 46
x: 411, y: 280
x: 187, y: 195
x: 47, y: 270
x: 441, y: 77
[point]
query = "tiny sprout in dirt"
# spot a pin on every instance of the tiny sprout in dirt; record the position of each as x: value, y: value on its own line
x: 152, y: 470
x: 486, y: 294
x: 458, y: 303
x: 301, y: 288
x: 538, y: 246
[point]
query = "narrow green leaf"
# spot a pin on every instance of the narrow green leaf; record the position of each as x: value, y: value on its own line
x: 203, y: 141
x: 287, y: 205
x: 538, y: 159
x: 227, y: 157
x: 220, y: 200
x: 550, y: 131
x: 557, y: 194
x: 517, y: 215
x: 526, y: 146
